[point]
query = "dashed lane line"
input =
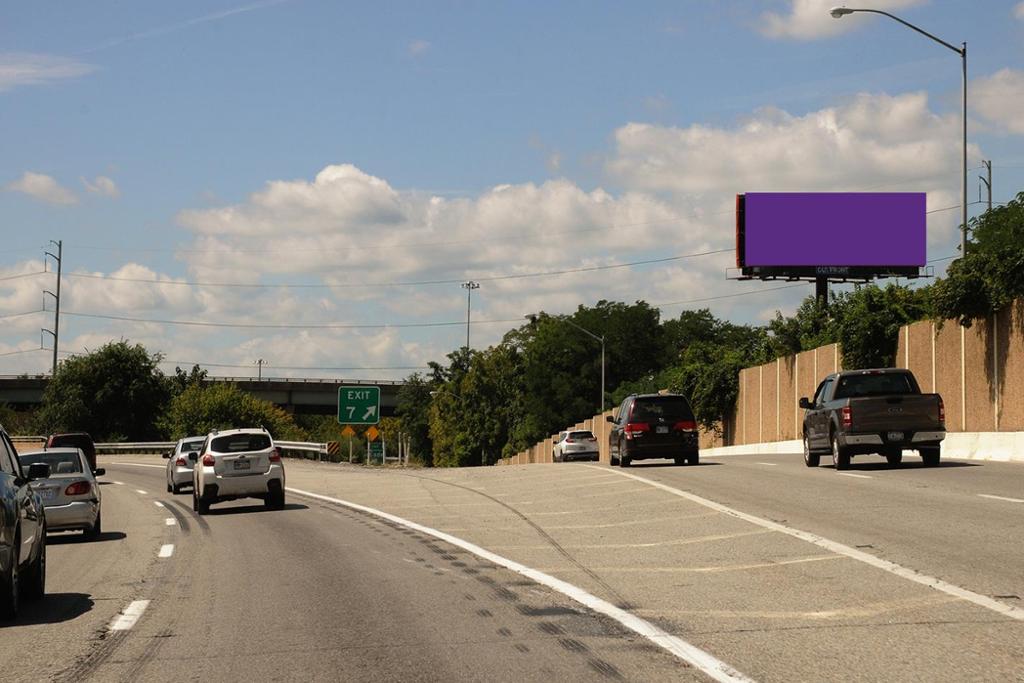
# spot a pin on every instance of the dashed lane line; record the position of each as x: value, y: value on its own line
x: 704, y: 661
x: 845, y: 550
x: 166, y: 550
x: 158, y: 503
x: 127, y: 618
x: 170, y: 521
x: 1009, y: 500
x: 768, y: 464
x: 140, y: 492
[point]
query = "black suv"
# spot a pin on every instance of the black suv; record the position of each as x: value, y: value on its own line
x: 653, y: 426
x: 79, y: 440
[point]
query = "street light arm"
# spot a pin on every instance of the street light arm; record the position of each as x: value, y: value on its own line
x: 960, y: 51
x: 584, y: 331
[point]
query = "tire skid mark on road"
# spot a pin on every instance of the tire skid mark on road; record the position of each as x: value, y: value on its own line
x: 845, y: 550
x: 681, y: 649
x: 184, y: 514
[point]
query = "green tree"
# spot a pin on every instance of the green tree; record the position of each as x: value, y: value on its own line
x: 414, y: 412
x: 992, y: 273
x: 869, y: 319
x: 116, y: 392
x: 200, y: 410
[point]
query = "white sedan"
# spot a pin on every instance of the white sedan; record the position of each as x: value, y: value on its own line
x: 71, y: 495
x: 179, y: 464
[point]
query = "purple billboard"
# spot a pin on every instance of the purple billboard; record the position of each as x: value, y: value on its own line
x: 822, y: 230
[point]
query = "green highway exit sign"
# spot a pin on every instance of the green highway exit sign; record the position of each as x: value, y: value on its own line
x: 359, y: 405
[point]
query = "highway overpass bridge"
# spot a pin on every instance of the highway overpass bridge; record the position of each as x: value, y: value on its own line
x: 315, y: 396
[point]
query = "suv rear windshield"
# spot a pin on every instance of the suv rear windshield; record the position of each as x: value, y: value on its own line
x: 60, y: 463
x: 883, y: 384
x: 668, y: 407
x: 580, y: 435
x: 189, y: 446
x: 237, y: 443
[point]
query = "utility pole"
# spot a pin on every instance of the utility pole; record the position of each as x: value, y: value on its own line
x: 259, y: 362
x: 987, y: 181
x: 55, y: 332
x: 469, y: 286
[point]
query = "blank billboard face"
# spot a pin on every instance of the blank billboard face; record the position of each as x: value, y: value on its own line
x: 835, y: 229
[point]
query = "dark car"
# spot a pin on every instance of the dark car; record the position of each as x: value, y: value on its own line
x: 653, y: 426
x: 79, y: 440
x: 22, y: 531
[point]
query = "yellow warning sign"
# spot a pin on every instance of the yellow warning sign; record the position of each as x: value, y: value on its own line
x: 372, y: 433
x: 348, y: 431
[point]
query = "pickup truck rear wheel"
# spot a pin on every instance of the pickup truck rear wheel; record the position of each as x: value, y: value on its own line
x: 930, y: 457
x: 810, y: 459
x: 840, y: 456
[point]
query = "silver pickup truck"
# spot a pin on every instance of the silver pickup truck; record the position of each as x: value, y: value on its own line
x: 872, y: 411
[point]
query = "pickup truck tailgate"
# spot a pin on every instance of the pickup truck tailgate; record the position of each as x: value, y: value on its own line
x: 910, y: 413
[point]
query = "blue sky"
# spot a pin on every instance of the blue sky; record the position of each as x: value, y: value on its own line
x: 330, y: 144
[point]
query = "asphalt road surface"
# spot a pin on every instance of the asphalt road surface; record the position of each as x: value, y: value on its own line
x: 754, y: 562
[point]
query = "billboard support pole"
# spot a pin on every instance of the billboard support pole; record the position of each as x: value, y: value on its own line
x: 821, y: 290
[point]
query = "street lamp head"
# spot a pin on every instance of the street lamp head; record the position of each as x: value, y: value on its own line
x: 838, y: 12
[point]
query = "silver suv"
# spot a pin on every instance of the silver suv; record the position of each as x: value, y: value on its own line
x: 238, y: 463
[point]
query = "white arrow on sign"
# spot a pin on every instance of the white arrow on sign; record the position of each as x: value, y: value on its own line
x: 370, y: 412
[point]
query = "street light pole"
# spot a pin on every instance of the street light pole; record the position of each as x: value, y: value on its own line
x: 469, y: 286
x: 839, y: 12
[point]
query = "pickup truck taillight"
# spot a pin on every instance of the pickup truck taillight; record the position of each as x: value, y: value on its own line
x: 847, y: 416
x: 942, y: 412
x: 635, y: 429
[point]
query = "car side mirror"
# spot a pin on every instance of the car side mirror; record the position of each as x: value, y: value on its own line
x: 805, y: 403
x: 38, y: 470
x: 193, y: 456
x: 166, y: 455
x: 99, y: 472
x: 609, y: 418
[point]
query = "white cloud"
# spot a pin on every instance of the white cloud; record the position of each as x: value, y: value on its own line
x: 18, y: 69
x: 418, y: 47
x: 810, y: 19
x: 999, y: 98
x: 1018, y: 11
x: 42, y: 187
x: 102, y: 185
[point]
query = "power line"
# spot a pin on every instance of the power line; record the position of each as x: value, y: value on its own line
x: 8, y: 316
x: 279, y: 326
x: 14, y: 353
x: 23, y: 275
x: 728, y: 296
x: 417, y: 283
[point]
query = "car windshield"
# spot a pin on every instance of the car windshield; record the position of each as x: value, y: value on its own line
x: 882, y: 384
x: 66, y: 462
x: 667, y: 407
x: 237, y: 443
x: 189, y: 446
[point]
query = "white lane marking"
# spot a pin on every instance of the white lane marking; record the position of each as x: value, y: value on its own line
x: 127, y: 618
x: 852, y: 553
x: 119, y: 483
x: 170, y: 521
x: 1009, y: 500
x: 137, y: 464
x: 158, y: 503
x: 713, y: 667
x: 769, y: 464
x: 858, y: 476
x: 140, y: 491
x: 166, y: 550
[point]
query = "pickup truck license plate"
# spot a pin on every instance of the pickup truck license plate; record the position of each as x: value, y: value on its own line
x: 895, y: 436
x: 661, y: 430
x: 241, y: 464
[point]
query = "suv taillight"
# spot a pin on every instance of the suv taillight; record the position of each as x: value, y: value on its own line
x: 77, y: 489
x: 208, y: 460
x: 942, y: 412
x: 635, y: 429
x: 180, y: 462
x: 275, y: 455
x: 847, y: 416
x: 685, y: 426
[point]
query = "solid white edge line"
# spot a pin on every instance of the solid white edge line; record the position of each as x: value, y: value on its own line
x: 170, y: 521
x: 851, y: 474
x: 840, y: 549
x: 127, y: 618
x: 710, y: 665
x: 1009, y: 500
x: 166, y: 550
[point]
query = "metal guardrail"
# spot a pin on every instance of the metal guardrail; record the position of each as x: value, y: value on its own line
x: 161, y: 446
